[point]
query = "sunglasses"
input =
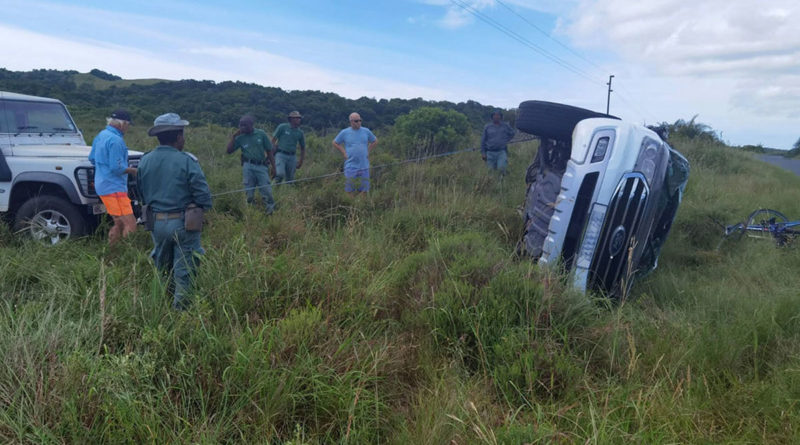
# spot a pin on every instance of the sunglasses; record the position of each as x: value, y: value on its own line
x: 356, y: 120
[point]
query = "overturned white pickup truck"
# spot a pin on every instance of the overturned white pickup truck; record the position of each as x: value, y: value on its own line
x: 602, y: 195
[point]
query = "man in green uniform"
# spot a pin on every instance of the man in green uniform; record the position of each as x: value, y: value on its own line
x: 171, y: 180
x: 256, y: 152
x: 285, y: 139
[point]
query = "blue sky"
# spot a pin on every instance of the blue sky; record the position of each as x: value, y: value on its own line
x: 736, y: 63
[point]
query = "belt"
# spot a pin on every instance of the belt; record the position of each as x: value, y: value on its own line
x: 286, y: 152
x: 250, y: 161
x: 163, y: 215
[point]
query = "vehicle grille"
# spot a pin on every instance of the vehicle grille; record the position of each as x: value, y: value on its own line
x: 623, y: 219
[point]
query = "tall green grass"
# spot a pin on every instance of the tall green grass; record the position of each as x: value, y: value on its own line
x: 404, y: 317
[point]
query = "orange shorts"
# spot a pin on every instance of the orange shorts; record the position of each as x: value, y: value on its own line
x: 117, y: 204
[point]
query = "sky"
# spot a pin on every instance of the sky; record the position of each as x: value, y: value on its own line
x: 735, y: 64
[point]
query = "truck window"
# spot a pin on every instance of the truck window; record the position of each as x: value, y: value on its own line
x: 35, y: 117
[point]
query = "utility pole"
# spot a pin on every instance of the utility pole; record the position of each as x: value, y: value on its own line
x: 608, y: 101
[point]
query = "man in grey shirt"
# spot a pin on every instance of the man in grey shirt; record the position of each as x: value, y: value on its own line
x: 494, y: 143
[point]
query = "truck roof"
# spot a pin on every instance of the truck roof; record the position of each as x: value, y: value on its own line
x: 17, y: 96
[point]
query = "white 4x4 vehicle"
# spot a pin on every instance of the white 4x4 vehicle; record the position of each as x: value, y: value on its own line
x: 602, y: 195
x: 46, y: 179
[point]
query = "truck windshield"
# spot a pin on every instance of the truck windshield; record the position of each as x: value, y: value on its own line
x: 17, y: 116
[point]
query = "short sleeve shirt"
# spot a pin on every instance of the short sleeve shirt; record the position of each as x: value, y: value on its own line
x: 254, y: 146
x: 356, y: 143
x: 288, y: 138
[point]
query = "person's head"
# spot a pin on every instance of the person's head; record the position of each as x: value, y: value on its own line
x: 294, y: 119
x: 355, y: 121
x: 173, y: 138
x: 246, y: 124
x: 168, y: 128
x: 120, y: 119
x: 497, y: 116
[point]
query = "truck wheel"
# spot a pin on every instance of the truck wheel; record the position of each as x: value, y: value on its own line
x: 540, y: 202
x: 49, y: 219
x: 552, y: 120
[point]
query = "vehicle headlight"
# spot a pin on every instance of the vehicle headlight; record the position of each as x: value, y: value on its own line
x: 600, y: 149
x: 646, y: 163
x: 591, y: 236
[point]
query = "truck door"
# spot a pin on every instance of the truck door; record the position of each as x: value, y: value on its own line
x: 5, y: 144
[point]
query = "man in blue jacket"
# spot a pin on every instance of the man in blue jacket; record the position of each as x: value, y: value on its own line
x: 171, y: 182
x: 109, y: 156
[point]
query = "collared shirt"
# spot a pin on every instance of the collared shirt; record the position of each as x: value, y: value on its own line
x: 356, y: 145
x: 254, y: 145
x: 288, y: 138
x: 109, y: 156
x: 170, y: 179
x: 496, y: 137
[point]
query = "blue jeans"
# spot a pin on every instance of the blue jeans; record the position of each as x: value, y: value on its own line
x: 176, y: 254
x: 497, y: 160
x: 257, y: 176
x: 285, y: 166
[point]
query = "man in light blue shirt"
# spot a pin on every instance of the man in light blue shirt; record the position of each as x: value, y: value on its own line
x: 356, y: 143
x: 109, y: 156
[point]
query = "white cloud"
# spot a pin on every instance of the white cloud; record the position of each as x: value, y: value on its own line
x: 754, y: 45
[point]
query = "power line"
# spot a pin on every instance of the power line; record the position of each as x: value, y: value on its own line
x: 546, y: 34
x: 559, y: 61
x: 552, y: 57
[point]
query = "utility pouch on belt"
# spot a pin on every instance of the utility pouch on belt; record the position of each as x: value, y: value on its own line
x: 193, y: 218
x: 147, y: 219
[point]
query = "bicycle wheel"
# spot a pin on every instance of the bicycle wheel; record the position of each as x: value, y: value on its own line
x: 763, y: 218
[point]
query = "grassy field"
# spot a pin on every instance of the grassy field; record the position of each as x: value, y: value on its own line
x: 404, y: 318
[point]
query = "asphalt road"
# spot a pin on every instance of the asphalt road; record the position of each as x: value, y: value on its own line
x: 793, y: 165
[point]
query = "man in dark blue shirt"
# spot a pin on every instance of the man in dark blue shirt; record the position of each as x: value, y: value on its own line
x: 494, y: 143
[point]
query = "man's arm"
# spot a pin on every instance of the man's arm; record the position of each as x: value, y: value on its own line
x: 302, y: 151
x: 230, y: 149
x: 484, y: 145
x: 372, y: 145
x: 198, y: 186
x: 340, y: 148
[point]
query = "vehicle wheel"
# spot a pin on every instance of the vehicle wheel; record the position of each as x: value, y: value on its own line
x: 763, y: 217
x: 552, y: 120
x: 540, y: 202
x: 49, y: 219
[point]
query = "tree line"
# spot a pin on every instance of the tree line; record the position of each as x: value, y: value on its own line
x: 223, y: 103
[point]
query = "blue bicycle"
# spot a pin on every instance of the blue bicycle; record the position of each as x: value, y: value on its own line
x: 765, y: 223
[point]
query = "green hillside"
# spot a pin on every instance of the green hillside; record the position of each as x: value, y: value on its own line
x: 404, y: 318
x: 99, y: 83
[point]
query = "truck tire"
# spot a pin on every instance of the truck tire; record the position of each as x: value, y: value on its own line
x: 49, y: 219
x: 540, y: 202
x: 552, y: 120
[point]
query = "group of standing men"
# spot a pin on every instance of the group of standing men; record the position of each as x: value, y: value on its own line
x: 175, y: 192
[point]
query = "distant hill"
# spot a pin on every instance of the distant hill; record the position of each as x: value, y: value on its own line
x: 205, y: 101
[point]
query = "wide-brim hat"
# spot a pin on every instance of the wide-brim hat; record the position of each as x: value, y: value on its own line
x: 295, y: 114
x: 167, y: 122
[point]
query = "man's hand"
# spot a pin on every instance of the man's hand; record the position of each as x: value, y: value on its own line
x: 299, y: 163
x: 236, y: 133
x: 131, y: 171
x: 483, y: 156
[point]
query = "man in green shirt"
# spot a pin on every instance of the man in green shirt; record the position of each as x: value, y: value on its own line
x: 170, y: 181
x: 256, y: 152
x: 285, y: 139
